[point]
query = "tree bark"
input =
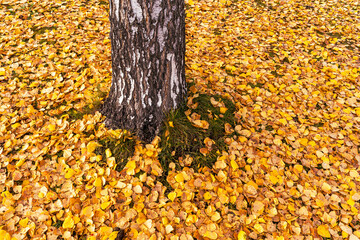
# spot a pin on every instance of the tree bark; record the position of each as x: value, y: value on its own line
x: 148, y: 64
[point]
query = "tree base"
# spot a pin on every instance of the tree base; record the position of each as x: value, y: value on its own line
x: 145, y: 129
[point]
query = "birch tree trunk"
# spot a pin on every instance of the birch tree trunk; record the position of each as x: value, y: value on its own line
x: 148, y: 64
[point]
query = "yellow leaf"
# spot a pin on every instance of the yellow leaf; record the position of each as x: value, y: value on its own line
x: 222, y: 194
x: 298, y: 168
x: 241, y: 235
x: 76, y: 219
x: 242, y: 139
x: 179, y: 177
x: 68, y: 222
x: 98, y: 182
x: 169, y: 229
x: 283, y: 121
x: 113, y: 235
x: 258, y: 228
x: 319, y: 154
x: 87, y: 212
x: 280, y: 132
x: 273, y: 211
x: 91, y: 146
x: 101, y: 171
x: 252, y: 183
x: 201, y: 123
x: 127, y: 192
x: 149, y: 153
x: 273, y: 179
x: 211, y: 235
x: 67, y: 153
x: 319, y: 202
x: 24, y: 222
x: 234, y: 165
x: 69, y: 173
x: 15, y: 125
x: 4, y: 235
x: 130, y: 166
x: 323, y: 231
x: 111, y: 162
x: 2, y: 71
x: 51, y: 127
x: 105, y: 205
x: 277, y: 141
x: 304, y: 141
x: 251, y: 188
x: 245, y: 133
x: 108, y: 153
x: 191, y: 219
x: 207, y: 196
x: 295, y: 89
x: 139, y: 207
x: 20, y: 163
x: 171, y: 124
x: 223, y: 110
x: 105, y: 231
x: 326, y: 187
x: 7, y: 144
x: 43, y: 191
x: 172, y: 196
x: 215, y: 217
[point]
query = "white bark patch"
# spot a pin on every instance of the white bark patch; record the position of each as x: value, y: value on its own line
x: 162, y: 31
x: 159, y: 99
x: 116, y: 8
x: 156, y: 10
x: 174, y: 87
x: 121, y: 87
x: 133, y: 30
x: 161, y: 37
x: 137, y: 9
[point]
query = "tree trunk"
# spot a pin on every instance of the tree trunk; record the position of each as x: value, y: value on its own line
x: 148, y: 64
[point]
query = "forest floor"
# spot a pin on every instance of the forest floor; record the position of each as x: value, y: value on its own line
x: 286, y: 166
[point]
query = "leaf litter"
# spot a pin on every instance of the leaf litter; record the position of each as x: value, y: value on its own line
x: 290, y: 169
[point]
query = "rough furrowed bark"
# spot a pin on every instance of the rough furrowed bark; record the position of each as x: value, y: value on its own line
x: 148, y: 57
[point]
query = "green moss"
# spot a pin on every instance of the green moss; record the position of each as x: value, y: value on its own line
x: 57, y: 224
x: 179, y: 137
x: 121, y: 148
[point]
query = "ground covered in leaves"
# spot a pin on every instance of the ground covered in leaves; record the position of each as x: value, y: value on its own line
x: 289, y: 168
